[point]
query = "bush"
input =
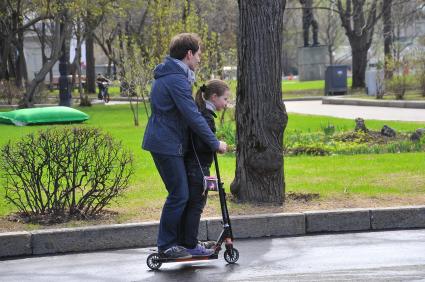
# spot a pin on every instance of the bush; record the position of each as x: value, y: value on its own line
x: 420, y: 70
x: 9, y: 93
x: 73, y: 171
x: 227, y: 133
x: 398, y: 85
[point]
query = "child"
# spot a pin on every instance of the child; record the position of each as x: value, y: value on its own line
x: 209, y: 98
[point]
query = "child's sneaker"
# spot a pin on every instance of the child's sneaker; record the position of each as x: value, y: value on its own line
x: 200, y: 251
x: 176, y: 252
x: 207, y: 244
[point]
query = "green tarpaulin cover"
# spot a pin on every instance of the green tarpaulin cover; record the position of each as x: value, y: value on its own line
x: 43, y: 115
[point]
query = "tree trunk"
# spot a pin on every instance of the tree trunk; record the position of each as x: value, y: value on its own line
x: 27, y: 100
x: 359, y: 30
x: 331, y: 54
x: 12, y: 64
x: 359, y: 62
x: 260, y: 113
x: 43, y: 43
x: 22, y: 64
x: 388, y: 37
x: 65, y: 95
x: 123, y: 84
x: 84, y: 99
x: 6, y: 47
x: 90, y: 66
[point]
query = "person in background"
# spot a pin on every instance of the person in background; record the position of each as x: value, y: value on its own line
x: 102, y: 83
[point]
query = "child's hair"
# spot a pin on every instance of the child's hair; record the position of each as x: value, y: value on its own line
x: 213, y: 86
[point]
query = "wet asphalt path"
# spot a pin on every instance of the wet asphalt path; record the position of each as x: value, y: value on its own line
x: 352, y: 112
x: 372, y: 256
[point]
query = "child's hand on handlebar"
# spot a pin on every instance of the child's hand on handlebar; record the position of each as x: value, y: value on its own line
x: 222, y: 148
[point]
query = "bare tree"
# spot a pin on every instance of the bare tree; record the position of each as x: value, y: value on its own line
x: 58, y: 39
x: 388, y: 36
x: 260, y: 113
x: 358, y: 20
x: 291, y: 37
x: 330, y: 34
x: 14, y: 21
x: 404, y: 15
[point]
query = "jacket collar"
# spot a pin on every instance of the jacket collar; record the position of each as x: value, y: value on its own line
x: 189, y: 73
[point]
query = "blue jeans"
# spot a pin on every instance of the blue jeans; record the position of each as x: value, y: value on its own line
x: 173, y: 174
x: 188, y: 236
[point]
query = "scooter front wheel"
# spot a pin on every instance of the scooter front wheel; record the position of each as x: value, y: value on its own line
x: 153, y: 261
x: 231, y: 255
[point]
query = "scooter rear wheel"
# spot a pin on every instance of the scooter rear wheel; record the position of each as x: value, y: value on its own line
x: 231, y: 255
x: 153, y: 261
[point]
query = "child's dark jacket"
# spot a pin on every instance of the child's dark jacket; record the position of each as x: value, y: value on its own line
x: 203, y: 151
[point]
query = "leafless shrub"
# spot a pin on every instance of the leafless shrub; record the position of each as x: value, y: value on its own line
x: 72, y: 171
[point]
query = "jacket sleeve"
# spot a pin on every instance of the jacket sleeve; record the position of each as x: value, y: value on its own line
x: 182, y: 96
x: 198, y: 144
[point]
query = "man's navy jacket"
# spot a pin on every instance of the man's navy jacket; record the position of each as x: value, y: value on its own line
x: 173, y: 112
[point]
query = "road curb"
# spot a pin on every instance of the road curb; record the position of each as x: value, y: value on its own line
x: 309, y: 98
x: 398, y: 218
x: 338, y: 221
x: 136, y: 235
x: 373, y: 103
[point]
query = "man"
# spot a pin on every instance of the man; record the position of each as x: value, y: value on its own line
x: 308, y: 20
x: 102, y: 83
x: 166, y: 135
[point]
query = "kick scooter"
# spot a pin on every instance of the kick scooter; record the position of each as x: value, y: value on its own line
x: 231, y: 255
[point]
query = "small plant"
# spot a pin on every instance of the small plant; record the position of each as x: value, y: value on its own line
x: 73, y: 171
x: 227, y: 133
x: 380, y: 79
x: 419, y: 62
x: 398, y: 85
x: 329, y: 129
x: 311, y: 150
x: 400, y: 81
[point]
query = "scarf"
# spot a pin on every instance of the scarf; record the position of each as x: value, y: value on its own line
x: 190, y: 74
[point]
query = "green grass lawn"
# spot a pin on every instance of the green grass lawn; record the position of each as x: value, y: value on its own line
x: 314, y: 123
x: 290, y: 89
x: 113, y: 90
x: 410, y: 95
x: 295, y: 88
x: 331, y: 176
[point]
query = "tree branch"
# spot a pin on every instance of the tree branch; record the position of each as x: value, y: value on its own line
x: 34, y: 21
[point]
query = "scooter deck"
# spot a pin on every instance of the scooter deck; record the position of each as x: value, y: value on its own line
x: 195, y: 258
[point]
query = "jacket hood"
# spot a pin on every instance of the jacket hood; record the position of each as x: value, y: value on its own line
x: 167, y: 67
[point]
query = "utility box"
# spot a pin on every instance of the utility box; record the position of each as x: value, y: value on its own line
x: 336, y: 80
x: 374, y: 80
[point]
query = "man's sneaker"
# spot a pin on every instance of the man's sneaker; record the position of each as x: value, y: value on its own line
x: 176, y: 252
x: 199, y: 251
x: 207, y: 244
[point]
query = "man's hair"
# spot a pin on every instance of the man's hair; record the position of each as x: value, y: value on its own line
x: 182, y: 43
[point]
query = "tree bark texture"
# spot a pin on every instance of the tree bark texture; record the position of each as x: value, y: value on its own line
x: 388, y: 36
x: 90, y: 66
x: 260, y: 113
x: 28, y: 99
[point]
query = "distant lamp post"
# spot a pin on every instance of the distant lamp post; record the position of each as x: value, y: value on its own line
x: 64, y: 87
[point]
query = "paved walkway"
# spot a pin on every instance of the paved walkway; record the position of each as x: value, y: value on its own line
x: 352, y: 112
x: 371, y: 256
